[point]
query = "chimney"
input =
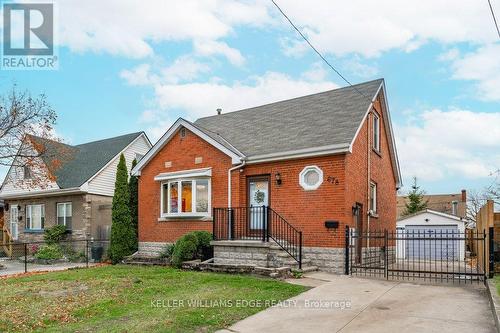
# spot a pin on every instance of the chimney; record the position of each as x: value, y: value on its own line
x: 464, y: 195
x: 219, y: 111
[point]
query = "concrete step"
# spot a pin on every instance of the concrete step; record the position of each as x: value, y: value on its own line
x: 293, y: 262
x: 140, y: 263
x: 138, y: 259
x: 308, y: 269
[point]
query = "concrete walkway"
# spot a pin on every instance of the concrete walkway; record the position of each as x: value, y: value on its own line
x: 12, y: 267
x: 346, y: 304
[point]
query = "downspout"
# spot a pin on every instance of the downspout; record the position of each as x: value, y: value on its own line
x: 368, y: 173
x: 229, y: 181
x: 229, y: 211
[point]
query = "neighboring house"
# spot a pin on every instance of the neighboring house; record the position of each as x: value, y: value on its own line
x: 454, y: 204
x: 77, y: 193
x: 305, y: 167
x: 431, y: 235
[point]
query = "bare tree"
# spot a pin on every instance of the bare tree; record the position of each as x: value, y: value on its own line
x: 493, y: 191
x: 475, y: 200
x: 26, y: 128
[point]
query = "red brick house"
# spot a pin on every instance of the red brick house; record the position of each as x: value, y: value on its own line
x: 287, y: 176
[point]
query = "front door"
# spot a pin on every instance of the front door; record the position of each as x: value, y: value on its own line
x: 258, y: 196
x: 14, y: 218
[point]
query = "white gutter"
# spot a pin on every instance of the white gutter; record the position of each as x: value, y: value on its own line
x: 43, y: 193
x: 229, y: 181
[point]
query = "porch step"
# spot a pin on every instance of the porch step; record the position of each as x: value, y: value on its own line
x: 145, y: 260
x: 140, y: 263
x: 308, y: 269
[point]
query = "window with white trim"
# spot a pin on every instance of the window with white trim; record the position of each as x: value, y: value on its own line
x: 376, y: 132
x: 311, y: 177
x: 373, y: 197
x: 65, y: 214
x: 14, y: 218
x: 35, y: 217
x: 186, y: 197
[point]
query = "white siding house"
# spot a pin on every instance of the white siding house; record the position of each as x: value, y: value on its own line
x: 104, y: 181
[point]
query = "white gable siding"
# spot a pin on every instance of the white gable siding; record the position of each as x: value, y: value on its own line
x: 104, y: 182
x: 15, y: 183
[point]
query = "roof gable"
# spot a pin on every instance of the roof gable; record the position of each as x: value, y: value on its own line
x: 80, y: 162
x: 432, y: 212
x: 212, y: 138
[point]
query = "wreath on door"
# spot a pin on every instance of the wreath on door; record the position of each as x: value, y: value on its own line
x: 259, y: 196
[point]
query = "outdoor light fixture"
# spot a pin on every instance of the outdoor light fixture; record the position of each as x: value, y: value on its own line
x: 277, y: 176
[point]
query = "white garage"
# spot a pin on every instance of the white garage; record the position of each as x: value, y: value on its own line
x: 430, y: 235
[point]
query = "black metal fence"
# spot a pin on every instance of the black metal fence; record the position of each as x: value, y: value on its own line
x: 259, y: 223
x: 428, y: 254
x: 22, y: 257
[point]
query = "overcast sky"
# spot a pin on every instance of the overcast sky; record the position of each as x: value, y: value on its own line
x: 139, y: 65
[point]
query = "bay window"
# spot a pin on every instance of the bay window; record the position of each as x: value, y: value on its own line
x: 185, y: 197
x: 35, y: 217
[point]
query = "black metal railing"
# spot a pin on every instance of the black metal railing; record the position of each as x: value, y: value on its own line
x: 21, y: 257
x: 429, y: 254
x: 257, y: 223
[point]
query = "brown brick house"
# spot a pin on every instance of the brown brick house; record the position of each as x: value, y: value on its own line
x: 301, y: 168
x: 77, y: 194
x: 453, y: 203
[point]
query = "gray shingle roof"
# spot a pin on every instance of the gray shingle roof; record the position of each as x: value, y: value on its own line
x: 80, y: 162
x: 322, y: 119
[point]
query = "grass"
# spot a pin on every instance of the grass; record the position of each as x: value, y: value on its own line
x: 496, y: 279
x: 132, y: 299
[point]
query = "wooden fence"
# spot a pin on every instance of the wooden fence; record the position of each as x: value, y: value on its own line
x: 486, y: 218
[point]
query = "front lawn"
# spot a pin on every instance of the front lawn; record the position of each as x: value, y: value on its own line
x: 134, y: 299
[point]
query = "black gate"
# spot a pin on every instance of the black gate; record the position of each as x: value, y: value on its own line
x: 434, y: 255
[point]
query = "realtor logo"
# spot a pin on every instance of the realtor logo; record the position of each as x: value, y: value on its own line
x: 28, y: 36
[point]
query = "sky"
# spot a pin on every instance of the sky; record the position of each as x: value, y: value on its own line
x: 128, y: 66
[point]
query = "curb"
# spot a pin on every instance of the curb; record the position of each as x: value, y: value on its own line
x: 494, y: 302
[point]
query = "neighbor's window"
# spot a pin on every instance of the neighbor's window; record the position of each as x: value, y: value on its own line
x: 373, y: 197
x: 35, y: 217
x: 311, y: 177
x: 27, y: 172
x: 376, y: 132
x: 186, y: 197
x: 65, y: 214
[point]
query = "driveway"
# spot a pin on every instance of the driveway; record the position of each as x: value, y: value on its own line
x: 346, y: 304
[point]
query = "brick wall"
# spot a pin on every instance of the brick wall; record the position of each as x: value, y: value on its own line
x: 181, y: 153
x: 345, y: 182
x: 365, y: 165
x: 306, y: 210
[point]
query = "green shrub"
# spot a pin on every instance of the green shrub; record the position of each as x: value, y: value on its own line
x: 194, y: 245
x: 185, y: 249
x: 203, y: 246
x: 55, y: 234
x: 72, y: 255
x: 49, y: 252
x: 167, y: 251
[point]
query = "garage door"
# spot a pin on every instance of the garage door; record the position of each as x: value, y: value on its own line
x: 432, y: 243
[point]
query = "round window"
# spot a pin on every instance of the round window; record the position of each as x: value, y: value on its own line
x: 311, y: 177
